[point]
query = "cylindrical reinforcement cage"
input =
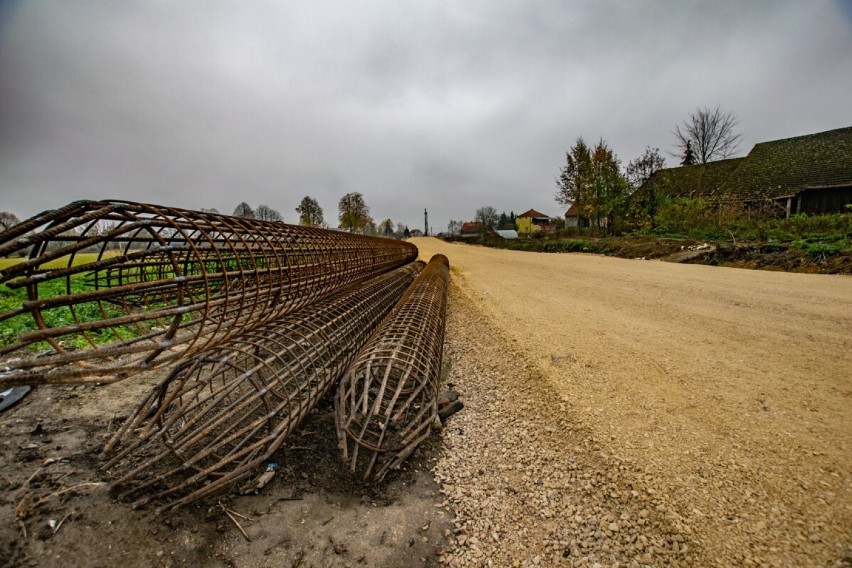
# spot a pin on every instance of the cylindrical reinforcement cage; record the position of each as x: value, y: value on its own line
x: 114, y: 287
x: 221, y: 414
x: 386, y: 403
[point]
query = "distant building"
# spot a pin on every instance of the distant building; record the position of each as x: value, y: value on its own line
x: 804, y: 174
x: 472, y: 228
x: 573, y: 219
x: 533, y: 221
x: 507, y: 233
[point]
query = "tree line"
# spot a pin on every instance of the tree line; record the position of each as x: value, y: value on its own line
x: 353, y: 216
x: 602, y: 193
x: 594, y: 183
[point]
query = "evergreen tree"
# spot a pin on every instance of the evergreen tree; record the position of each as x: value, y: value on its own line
x: 574, y: 184
x: 688, y: 155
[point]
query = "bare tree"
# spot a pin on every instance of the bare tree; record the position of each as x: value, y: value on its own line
x: 488, y: 216
x: 639, y: 170
x: 710, y: 133
x: 244, y: 210
x: 8, y: 220
x: 310, y: 212
x: 267, y: 213
x: 454, y: 227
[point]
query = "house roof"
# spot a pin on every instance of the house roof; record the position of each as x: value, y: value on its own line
x: 533, y: 213
x: 572, y: 211
x: 772, y: 169
x: 471, y: 226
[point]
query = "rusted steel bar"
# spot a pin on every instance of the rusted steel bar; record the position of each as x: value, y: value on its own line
x: 114, y: 287
x: 221, y: 414
x: 386, y: 403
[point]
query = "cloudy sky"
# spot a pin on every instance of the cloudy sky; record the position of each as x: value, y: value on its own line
x: 445, y: 105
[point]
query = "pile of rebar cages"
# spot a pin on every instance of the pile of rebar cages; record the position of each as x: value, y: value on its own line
x: 387, y: 401
x: 252, y: 321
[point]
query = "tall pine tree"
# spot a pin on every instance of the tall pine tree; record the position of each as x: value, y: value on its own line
x: 688, y: 155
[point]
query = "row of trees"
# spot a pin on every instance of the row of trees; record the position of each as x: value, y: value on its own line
x: 487, y: 217
x: 353, y: 216
x: 263, y: 212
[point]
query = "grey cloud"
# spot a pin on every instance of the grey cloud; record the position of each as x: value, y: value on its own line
x: 445, y: 105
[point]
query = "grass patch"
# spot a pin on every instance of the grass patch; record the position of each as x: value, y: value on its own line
x: 12, y: 299
x: 79, y: 258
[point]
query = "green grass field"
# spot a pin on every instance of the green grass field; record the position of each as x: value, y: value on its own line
x: 12, y: 299
x: 80, y: 258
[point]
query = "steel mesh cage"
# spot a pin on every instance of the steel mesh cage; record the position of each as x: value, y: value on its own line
x: 386, y: 403
x: 221, y: 414
x: 114, y: 287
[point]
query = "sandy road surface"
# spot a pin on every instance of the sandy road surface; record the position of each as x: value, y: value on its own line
x: 730, y: 389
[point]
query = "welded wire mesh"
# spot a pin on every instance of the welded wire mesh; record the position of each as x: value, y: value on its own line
x: 224, y: 412
x: 114, y: 287
x: 386, y: 403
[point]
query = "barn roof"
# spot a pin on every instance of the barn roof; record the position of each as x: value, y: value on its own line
x: 772, y: 169
x: 782, y: 167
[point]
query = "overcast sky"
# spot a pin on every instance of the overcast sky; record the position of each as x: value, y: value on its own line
x: 441, y: 105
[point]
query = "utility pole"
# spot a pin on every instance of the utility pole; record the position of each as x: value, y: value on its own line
x: 426, y: 222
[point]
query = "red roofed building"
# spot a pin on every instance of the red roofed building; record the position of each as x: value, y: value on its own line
x: 573, y: 219
x: 533, y: 221
x: 472, y: 228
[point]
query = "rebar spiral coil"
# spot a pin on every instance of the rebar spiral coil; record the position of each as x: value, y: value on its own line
x: 223, y: 413
x: 386, y: 403
x: 114, y: 287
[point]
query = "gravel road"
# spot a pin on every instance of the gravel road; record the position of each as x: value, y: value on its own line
x: 645, y: 413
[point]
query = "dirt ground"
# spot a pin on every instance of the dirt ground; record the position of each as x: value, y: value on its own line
x: 726, y: 391
x: 56, y: 510
x: 617, y: 412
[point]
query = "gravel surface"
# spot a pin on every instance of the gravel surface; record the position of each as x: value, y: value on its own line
x: 530, y: 485
x: 702, y: 406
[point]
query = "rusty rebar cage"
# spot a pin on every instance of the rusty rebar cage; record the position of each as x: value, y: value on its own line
x: 386, y: 403
x: 221, y: 414
x: 115, y: 287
